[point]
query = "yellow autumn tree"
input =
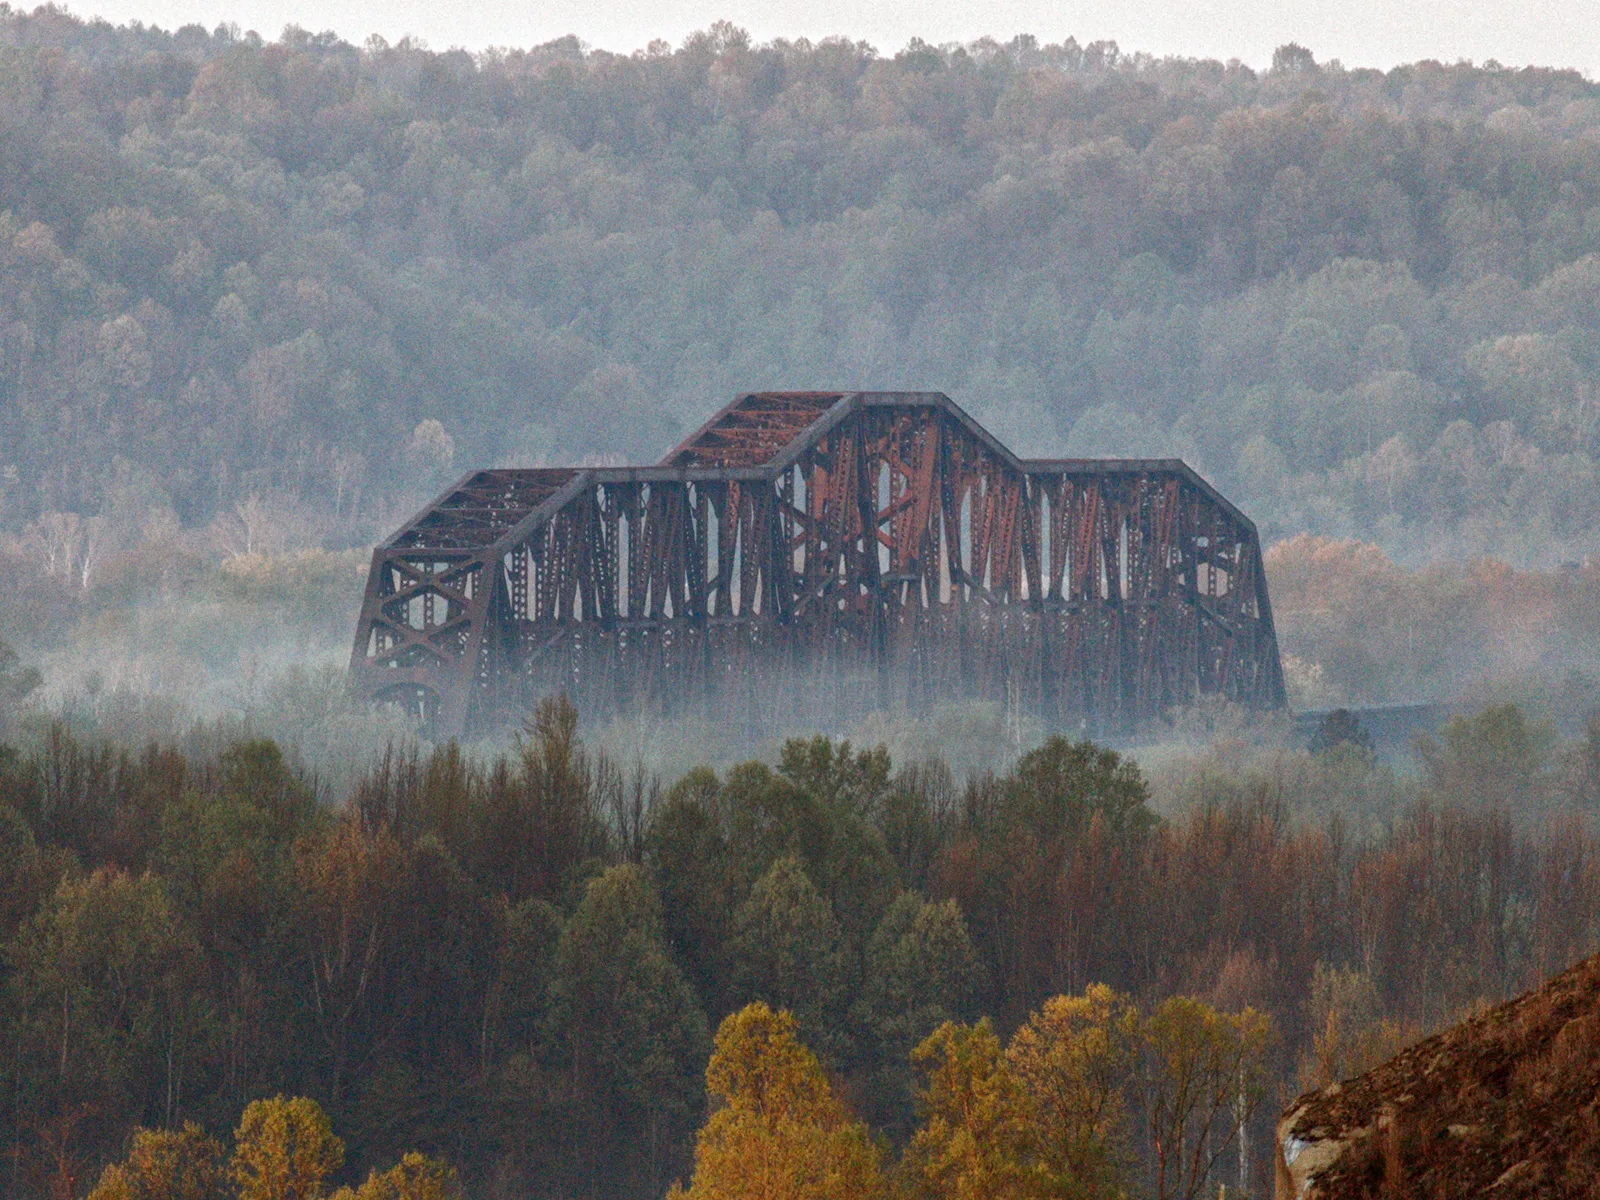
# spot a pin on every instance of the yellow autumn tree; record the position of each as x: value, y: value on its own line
x: 167, y: 1164
x: 1348, y: 1037
x: 284, y: 1149
x: 973, y: 1142
x: 777, y: 1131
x: 414, y: 1177
x: 1204, y: 1075
x: 1071, y: 1061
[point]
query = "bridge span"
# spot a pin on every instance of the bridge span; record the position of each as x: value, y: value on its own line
x: 805, y: 557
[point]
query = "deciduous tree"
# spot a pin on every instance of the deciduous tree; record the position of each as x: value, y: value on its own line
x: 414, y: 1177
x: 1074, y: 1062
x: 1204, y: 1073
x: 167, y: 1164
x: 629, y: 1025
x: 776, y: 1131
x: 284, y: 1149
x: 787, y: 953
x: 974, y: 1141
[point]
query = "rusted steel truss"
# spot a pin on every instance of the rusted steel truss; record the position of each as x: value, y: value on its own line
x: 807, y: 557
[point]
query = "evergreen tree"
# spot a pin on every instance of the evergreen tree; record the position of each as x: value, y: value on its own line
x: 788, y: 953
x: 632, y: 1033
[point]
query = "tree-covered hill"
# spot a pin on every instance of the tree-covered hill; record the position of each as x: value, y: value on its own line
x: 324, y: 276
x: 514, y: 962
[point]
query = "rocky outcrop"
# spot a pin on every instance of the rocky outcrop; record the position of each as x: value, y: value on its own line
x: 1505, y: 1104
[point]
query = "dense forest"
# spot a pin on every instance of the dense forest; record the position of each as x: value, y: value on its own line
x: 514, y: 964
x: 258, y: 299
x: 275, y: 288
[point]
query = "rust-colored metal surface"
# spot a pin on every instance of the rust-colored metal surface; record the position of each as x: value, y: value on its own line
x: 752, y: 429
x: 807, y: 557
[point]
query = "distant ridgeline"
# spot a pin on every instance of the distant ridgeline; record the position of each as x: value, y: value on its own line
x: 239, y: 277
x: 810, y: 556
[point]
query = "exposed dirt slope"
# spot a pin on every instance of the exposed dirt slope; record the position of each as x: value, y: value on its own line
x: 1506, y: 1104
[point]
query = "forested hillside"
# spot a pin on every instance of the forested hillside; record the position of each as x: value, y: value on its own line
x: 270, y: 288
x: 257, y: 299
x: 515, y: 963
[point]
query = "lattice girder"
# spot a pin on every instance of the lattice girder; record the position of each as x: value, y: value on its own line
x: 808, y: 556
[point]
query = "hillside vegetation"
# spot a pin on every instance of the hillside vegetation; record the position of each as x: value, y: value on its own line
x: 259, y: 299
x: 516, y: 962
x: 278, y: 288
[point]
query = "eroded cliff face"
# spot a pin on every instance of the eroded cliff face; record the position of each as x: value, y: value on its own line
x: 1505, y: 1104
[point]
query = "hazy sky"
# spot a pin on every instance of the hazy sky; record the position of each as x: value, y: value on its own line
x: 1360, y: 32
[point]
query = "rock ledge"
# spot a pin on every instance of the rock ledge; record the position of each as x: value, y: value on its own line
x: 1506, y: 1104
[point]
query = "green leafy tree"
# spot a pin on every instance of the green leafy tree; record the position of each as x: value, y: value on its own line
x: 1494, y: 757
x: 22, y: 872
x: 788, y: 953
x: 915, y: 819
x: 627, y: 1021
x: 106, y: 984
x: 1062, y: 786
x: 840, y: 779
x: 450, y: 938
x: 845, y: 855
x: 693, y: 866
x: 253, y: 813
x: 767, y: 817
x: 921, y: 970
x: 517, y: 1003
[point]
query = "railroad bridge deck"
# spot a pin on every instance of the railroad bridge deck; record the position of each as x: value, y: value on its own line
x: 805, y: 557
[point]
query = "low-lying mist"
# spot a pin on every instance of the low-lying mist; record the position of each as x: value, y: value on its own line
x: 184, y: 641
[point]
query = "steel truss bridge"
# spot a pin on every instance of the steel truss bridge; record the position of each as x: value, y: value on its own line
x: 807, y: 557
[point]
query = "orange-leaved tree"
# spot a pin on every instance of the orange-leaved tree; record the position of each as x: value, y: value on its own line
x: 1072, y: 1061
x: 777, y: 1131
x: 284, y: 1150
